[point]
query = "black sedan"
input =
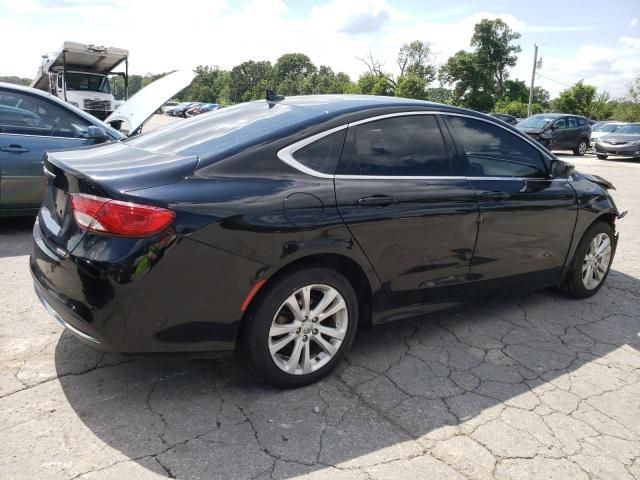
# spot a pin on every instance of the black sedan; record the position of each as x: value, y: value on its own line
x: 282, y: 226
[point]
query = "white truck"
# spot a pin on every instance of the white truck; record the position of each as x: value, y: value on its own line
x: 79, y: 74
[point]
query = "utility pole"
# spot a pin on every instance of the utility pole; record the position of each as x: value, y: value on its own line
x: 533, y: 77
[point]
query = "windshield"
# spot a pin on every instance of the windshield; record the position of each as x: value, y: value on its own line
x: 607, y: 127
x: 87, y: 82
x: 634, y: 128
x: 536, y: 121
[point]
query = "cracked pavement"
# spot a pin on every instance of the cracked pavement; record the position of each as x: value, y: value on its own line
x: 534, y: 386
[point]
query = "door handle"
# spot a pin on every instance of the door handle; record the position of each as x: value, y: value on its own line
x: 377, y: 201
x: 495, y: 195
x: 14, y: 148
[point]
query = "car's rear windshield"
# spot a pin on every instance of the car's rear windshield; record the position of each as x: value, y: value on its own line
x: 228, y: 130
x: 633, y: 129
x: 536, y: 121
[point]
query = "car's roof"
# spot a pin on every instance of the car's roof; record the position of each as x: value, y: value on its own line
x: 353, y: 103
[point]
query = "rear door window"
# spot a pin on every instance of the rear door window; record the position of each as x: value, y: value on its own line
x: 573, y: 122
x: 406, y: 146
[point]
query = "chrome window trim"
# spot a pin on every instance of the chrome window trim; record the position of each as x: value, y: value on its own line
x: 286, y: 154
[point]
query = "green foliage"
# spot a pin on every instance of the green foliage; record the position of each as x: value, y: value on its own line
x: 372, y: 84
x: 249, y: 80
x: 516, y: 108
x: 628, y: 110
x: 576, y: 99
x: 480, y: 77
x: 17, y: 80
x: 416, y: 60
x: 439, y: 95
x: 411, y: 86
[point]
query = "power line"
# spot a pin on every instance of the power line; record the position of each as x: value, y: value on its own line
x: 553, y: 80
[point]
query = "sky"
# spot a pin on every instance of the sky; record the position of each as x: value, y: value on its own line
x: 592, y: 40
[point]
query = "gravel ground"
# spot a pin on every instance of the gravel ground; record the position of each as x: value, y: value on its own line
x: 537, y: 386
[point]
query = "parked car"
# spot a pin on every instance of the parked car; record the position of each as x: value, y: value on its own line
x: 169, y: 106
x: 285, y: 228
x: 181, y: 110
x: 624, y: 142
x: 604, y: 128
x: 202, y: 108
x: 510, y: 119
x: 558, y: 131
x: 180, y: 107
x: 33, y: 122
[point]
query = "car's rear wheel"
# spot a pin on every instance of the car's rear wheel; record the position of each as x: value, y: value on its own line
x: 591, y: 261
x: 301, y: 327
x: 602, y: 157
x: 581, y: 148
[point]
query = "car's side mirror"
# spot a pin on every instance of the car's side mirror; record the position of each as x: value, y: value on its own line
x: 97, y: 134
x: 560, y: 169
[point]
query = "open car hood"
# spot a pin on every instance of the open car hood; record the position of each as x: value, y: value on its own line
x: 137, y: 110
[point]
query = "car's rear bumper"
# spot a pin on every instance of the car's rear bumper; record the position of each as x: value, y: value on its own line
x: 622, y: 151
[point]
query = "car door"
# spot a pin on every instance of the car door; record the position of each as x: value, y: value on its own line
x: 574, y: 132
x: 412, y: 212
x: 30, y: 126
x: 561, y: 134
x: 527, y: 218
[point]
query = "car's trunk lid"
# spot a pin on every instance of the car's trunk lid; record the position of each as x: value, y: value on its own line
x: 108, y: 171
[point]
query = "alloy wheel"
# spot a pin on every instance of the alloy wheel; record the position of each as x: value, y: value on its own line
x: 308, y: 329
x: 582, y: 148
x: 596, y: 261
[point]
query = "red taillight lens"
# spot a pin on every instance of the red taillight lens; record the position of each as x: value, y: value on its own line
x: 113, y: 217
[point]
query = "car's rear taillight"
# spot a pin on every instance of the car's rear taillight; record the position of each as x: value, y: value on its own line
x: 114, y: 217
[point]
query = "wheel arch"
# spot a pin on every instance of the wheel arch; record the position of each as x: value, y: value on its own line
x: 348, y: 267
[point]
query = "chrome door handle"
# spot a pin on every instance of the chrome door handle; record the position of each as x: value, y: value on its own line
x: 495, y: 195
x: 377, y: 201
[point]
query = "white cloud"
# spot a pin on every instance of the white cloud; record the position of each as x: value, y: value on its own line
x: 333, y: 33
x: 633, y: 22
x: 632, y: 42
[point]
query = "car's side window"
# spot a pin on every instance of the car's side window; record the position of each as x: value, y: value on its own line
x: 582, y: 122
x: 406, y: 146
x: 323, y: 154
x: 29, y: 115
x: 493, y: 151
x: 560, y: 124
x: 573, y: 122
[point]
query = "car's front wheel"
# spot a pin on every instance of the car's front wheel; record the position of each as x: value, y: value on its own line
x: 301, y: 327
x: 602, y: 157
x: 581, y: 148
x: 591, y: 261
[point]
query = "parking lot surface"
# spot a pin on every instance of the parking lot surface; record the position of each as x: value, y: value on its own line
x: 536, y: 386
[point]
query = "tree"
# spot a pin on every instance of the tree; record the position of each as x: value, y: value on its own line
x: 494, y: 50
x: 16, y: 80
x: 601, y: 106
x: 540, y: 96
x: 576, y: 99
x: 416, y: 59
x: 480, y: 77
x: 249, y: 80
x: 372, y: 84
x: 411, y: 86
x: 516, y: 108
x: 515, y: 91
x: 628, y: 110
x: 469, y: 84
x: 439, y: 95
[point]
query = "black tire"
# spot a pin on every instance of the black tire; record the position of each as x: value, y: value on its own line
x: 255, y: 341
x: 581, y: 148
x: 602, y: 157
x: 573, y: 283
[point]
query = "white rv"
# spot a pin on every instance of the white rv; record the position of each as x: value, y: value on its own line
x: 79, y: 74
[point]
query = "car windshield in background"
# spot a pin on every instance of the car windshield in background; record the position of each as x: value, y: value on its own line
x: 607, y: 127
x: 87, y: 82
x: 536, y: 121
x: 633, y: 129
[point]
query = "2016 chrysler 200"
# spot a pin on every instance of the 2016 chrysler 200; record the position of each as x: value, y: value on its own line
x: 283, y: 225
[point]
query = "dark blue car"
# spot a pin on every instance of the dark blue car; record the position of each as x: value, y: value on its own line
x: 33, y: 122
